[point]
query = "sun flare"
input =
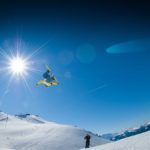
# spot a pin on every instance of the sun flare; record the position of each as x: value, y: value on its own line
x: 18, y: 65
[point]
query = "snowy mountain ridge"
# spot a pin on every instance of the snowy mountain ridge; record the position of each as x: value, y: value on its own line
x: 129, y: 132
x: 31, y: 118
x: 30, y: 132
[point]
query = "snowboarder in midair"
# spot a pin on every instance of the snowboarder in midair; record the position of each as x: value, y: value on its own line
x: 87, y: 141
x: 49, y: 78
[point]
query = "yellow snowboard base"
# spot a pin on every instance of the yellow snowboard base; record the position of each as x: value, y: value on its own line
x: 46, y: 84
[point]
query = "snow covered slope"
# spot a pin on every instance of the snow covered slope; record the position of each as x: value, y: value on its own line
x: 29, y: 132
x: 137, y: 142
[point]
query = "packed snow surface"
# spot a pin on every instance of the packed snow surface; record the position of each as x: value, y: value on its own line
x: 137, y: 142
x: 29, y: 132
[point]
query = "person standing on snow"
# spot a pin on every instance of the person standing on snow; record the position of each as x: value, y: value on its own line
x: 87, y: 141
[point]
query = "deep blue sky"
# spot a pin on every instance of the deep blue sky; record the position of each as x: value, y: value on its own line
x: 99, y: 91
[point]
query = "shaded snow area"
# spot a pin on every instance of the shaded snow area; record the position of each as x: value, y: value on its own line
x: 29, y: 132
x: 137, y: 142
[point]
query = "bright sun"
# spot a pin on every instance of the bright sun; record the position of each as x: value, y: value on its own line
x: 18, y: 65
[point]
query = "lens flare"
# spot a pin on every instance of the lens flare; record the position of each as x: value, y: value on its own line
x: 18, y: 65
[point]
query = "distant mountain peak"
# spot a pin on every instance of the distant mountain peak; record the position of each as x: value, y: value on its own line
x: 31, y: 118
x: 127, y: 133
